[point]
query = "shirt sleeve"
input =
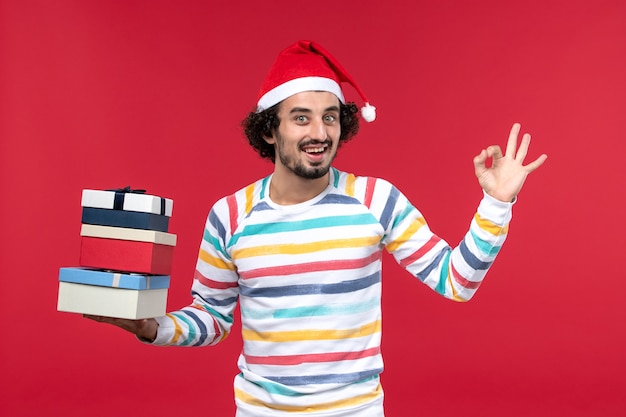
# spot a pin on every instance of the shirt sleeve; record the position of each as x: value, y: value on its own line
x: 456, y: 273
x: 215, y: 291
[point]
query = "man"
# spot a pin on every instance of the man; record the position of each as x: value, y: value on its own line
x: 301, y: 251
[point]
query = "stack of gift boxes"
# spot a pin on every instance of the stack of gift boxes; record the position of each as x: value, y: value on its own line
x: 125, y: 256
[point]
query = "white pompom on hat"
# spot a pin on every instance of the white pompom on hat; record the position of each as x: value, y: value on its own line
x: 306, y: 66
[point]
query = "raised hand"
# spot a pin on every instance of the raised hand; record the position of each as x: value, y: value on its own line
x: 503, y: 180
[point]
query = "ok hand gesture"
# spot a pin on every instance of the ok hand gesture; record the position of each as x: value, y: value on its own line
x: 503, y: 180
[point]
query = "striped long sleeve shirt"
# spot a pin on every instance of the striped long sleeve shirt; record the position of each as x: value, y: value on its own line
x: 308, y: 281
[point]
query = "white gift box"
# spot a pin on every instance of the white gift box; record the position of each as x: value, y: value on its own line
x: 128, y: 201
x: 111, y: 302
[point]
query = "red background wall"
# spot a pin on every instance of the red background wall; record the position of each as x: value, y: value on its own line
x: 102, y: 94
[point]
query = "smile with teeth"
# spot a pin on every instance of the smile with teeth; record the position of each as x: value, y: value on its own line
x: 314, y: 149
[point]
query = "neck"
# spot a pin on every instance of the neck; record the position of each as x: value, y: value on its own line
x: 288, y: 188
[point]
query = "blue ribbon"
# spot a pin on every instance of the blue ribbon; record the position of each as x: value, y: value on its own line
x: 118, y: 201
x: 127, y: 189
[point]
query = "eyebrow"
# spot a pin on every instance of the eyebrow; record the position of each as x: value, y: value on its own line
x: 305, y: 110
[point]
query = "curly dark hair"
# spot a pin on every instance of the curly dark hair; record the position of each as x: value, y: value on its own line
x: 259, y: 125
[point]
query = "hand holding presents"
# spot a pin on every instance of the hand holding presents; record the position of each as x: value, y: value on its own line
x: 145, y: 329
x: 504, y: 179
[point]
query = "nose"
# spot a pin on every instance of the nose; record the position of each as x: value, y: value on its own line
x: 318, y: 130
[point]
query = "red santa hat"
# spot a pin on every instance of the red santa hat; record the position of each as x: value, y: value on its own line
x: 306, y: 66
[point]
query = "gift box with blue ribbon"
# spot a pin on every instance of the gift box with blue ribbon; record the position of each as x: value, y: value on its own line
x: 126, y: 207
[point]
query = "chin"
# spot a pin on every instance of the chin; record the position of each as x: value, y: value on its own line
x: 312, y: 173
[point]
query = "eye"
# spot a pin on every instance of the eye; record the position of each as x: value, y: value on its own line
x: 301, y: 118
x: 330, y: 118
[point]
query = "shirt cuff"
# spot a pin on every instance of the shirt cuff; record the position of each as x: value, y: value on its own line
x: 498, y: 212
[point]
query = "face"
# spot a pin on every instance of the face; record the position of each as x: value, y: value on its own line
x: 308, y: 135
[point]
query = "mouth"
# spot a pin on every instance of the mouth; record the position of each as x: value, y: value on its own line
x: 315, y: 149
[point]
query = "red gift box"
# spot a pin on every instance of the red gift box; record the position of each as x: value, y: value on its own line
x: 131, y: 250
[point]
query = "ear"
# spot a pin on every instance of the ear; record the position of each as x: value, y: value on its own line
x: 269, y: 139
